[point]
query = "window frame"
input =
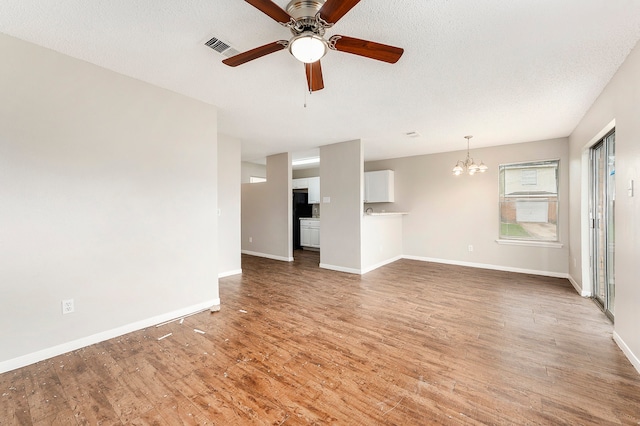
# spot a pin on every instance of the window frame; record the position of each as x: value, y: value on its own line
x: 503, y: 196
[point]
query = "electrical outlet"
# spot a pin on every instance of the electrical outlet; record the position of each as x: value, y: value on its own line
x: 250, y: 239
x: 67, y: 306
x: 470, y: 247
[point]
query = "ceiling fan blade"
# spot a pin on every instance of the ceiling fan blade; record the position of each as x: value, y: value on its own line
x: 368, y: 49
x: 314, y: 76
x: 333, y: 10
x: 271, y: 9
x: 256, y: 53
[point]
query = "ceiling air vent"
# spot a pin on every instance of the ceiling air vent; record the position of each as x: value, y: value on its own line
x: 221, y: 47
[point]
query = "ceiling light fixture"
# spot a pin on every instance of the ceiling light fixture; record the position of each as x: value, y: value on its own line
x: 468, y: 165
x: 303, y: 161
x: 308, y: 47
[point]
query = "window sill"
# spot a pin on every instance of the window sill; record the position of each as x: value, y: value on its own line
x: 550, y: 244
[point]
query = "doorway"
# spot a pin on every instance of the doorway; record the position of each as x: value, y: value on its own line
x: 601, y: 212
x: 300, y: 208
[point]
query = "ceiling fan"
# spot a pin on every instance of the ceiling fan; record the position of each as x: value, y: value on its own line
x: 308, y: 20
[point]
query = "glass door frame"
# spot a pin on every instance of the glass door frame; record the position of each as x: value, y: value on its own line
x: 601, y: 215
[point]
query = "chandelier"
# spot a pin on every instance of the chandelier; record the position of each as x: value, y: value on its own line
x: 468, y: 165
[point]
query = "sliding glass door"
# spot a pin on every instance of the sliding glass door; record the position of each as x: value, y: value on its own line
x: 602, y: 208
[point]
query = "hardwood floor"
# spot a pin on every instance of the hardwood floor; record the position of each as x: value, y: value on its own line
x: 412, y: 343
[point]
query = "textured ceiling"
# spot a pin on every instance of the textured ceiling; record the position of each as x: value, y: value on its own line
x: 506, y: 71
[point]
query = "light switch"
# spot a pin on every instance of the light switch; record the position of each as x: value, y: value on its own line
x: 326, y: 200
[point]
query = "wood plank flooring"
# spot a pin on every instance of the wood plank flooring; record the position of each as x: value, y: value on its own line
x: 412, y: 343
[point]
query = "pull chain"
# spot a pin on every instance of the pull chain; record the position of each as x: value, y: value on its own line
x: 310, y: 83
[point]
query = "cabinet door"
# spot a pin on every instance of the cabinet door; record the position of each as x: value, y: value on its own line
x: 315, y: 237
x: 378, y: 187
x: 314, y: 190
x: 300, y: 183
x: 305, y: 236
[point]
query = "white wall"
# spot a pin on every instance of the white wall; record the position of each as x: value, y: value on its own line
x: 341, y: 181
x: 620, y: 101
x: 381, y: 241
x: 252, y: 169
x: 229, y: 234
x: 308, y: 172
x: 448, y: 213
x: 108, y: 196
x: 266, y: 212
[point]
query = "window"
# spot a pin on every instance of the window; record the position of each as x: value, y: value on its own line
x: 529, y: 177
x: 529, y: 201
x: 256, y: 179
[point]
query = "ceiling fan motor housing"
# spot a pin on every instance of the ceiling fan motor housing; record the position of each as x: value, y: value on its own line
x: 304, y: 8
x: 304, y: 14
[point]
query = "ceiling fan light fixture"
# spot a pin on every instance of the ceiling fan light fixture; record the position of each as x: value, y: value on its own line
x: 308, y: 47
x: 305, y: 161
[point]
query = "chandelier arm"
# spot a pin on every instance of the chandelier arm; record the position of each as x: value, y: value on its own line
x: 469, y: 164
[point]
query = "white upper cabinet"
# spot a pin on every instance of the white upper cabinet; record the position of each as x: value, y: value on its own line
x: 314, y: 190
x: 301, y: 183
x: 379, y: 187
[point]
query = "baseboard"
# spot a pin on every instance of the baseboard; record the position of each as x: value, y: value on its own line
x: 577, y: 286
x: 53, y: 351
x: 340, y: 268
x: 489, y: 266
x: 268, y: 256
x: 380, y: 264
x: 635, y: 361
x: 229, y: 273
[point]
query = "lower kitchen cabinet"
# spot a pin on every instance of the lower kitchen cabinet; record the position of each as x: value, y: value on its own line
x: 310, y: 233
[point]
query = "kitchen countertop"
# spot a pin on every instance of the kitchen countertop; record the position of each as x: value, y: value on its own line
x: 385, y: 213
x: 309, y: 218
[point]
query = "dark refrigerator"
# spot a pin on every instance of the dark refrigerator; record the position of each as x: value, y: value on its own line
x: 300, y: 209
